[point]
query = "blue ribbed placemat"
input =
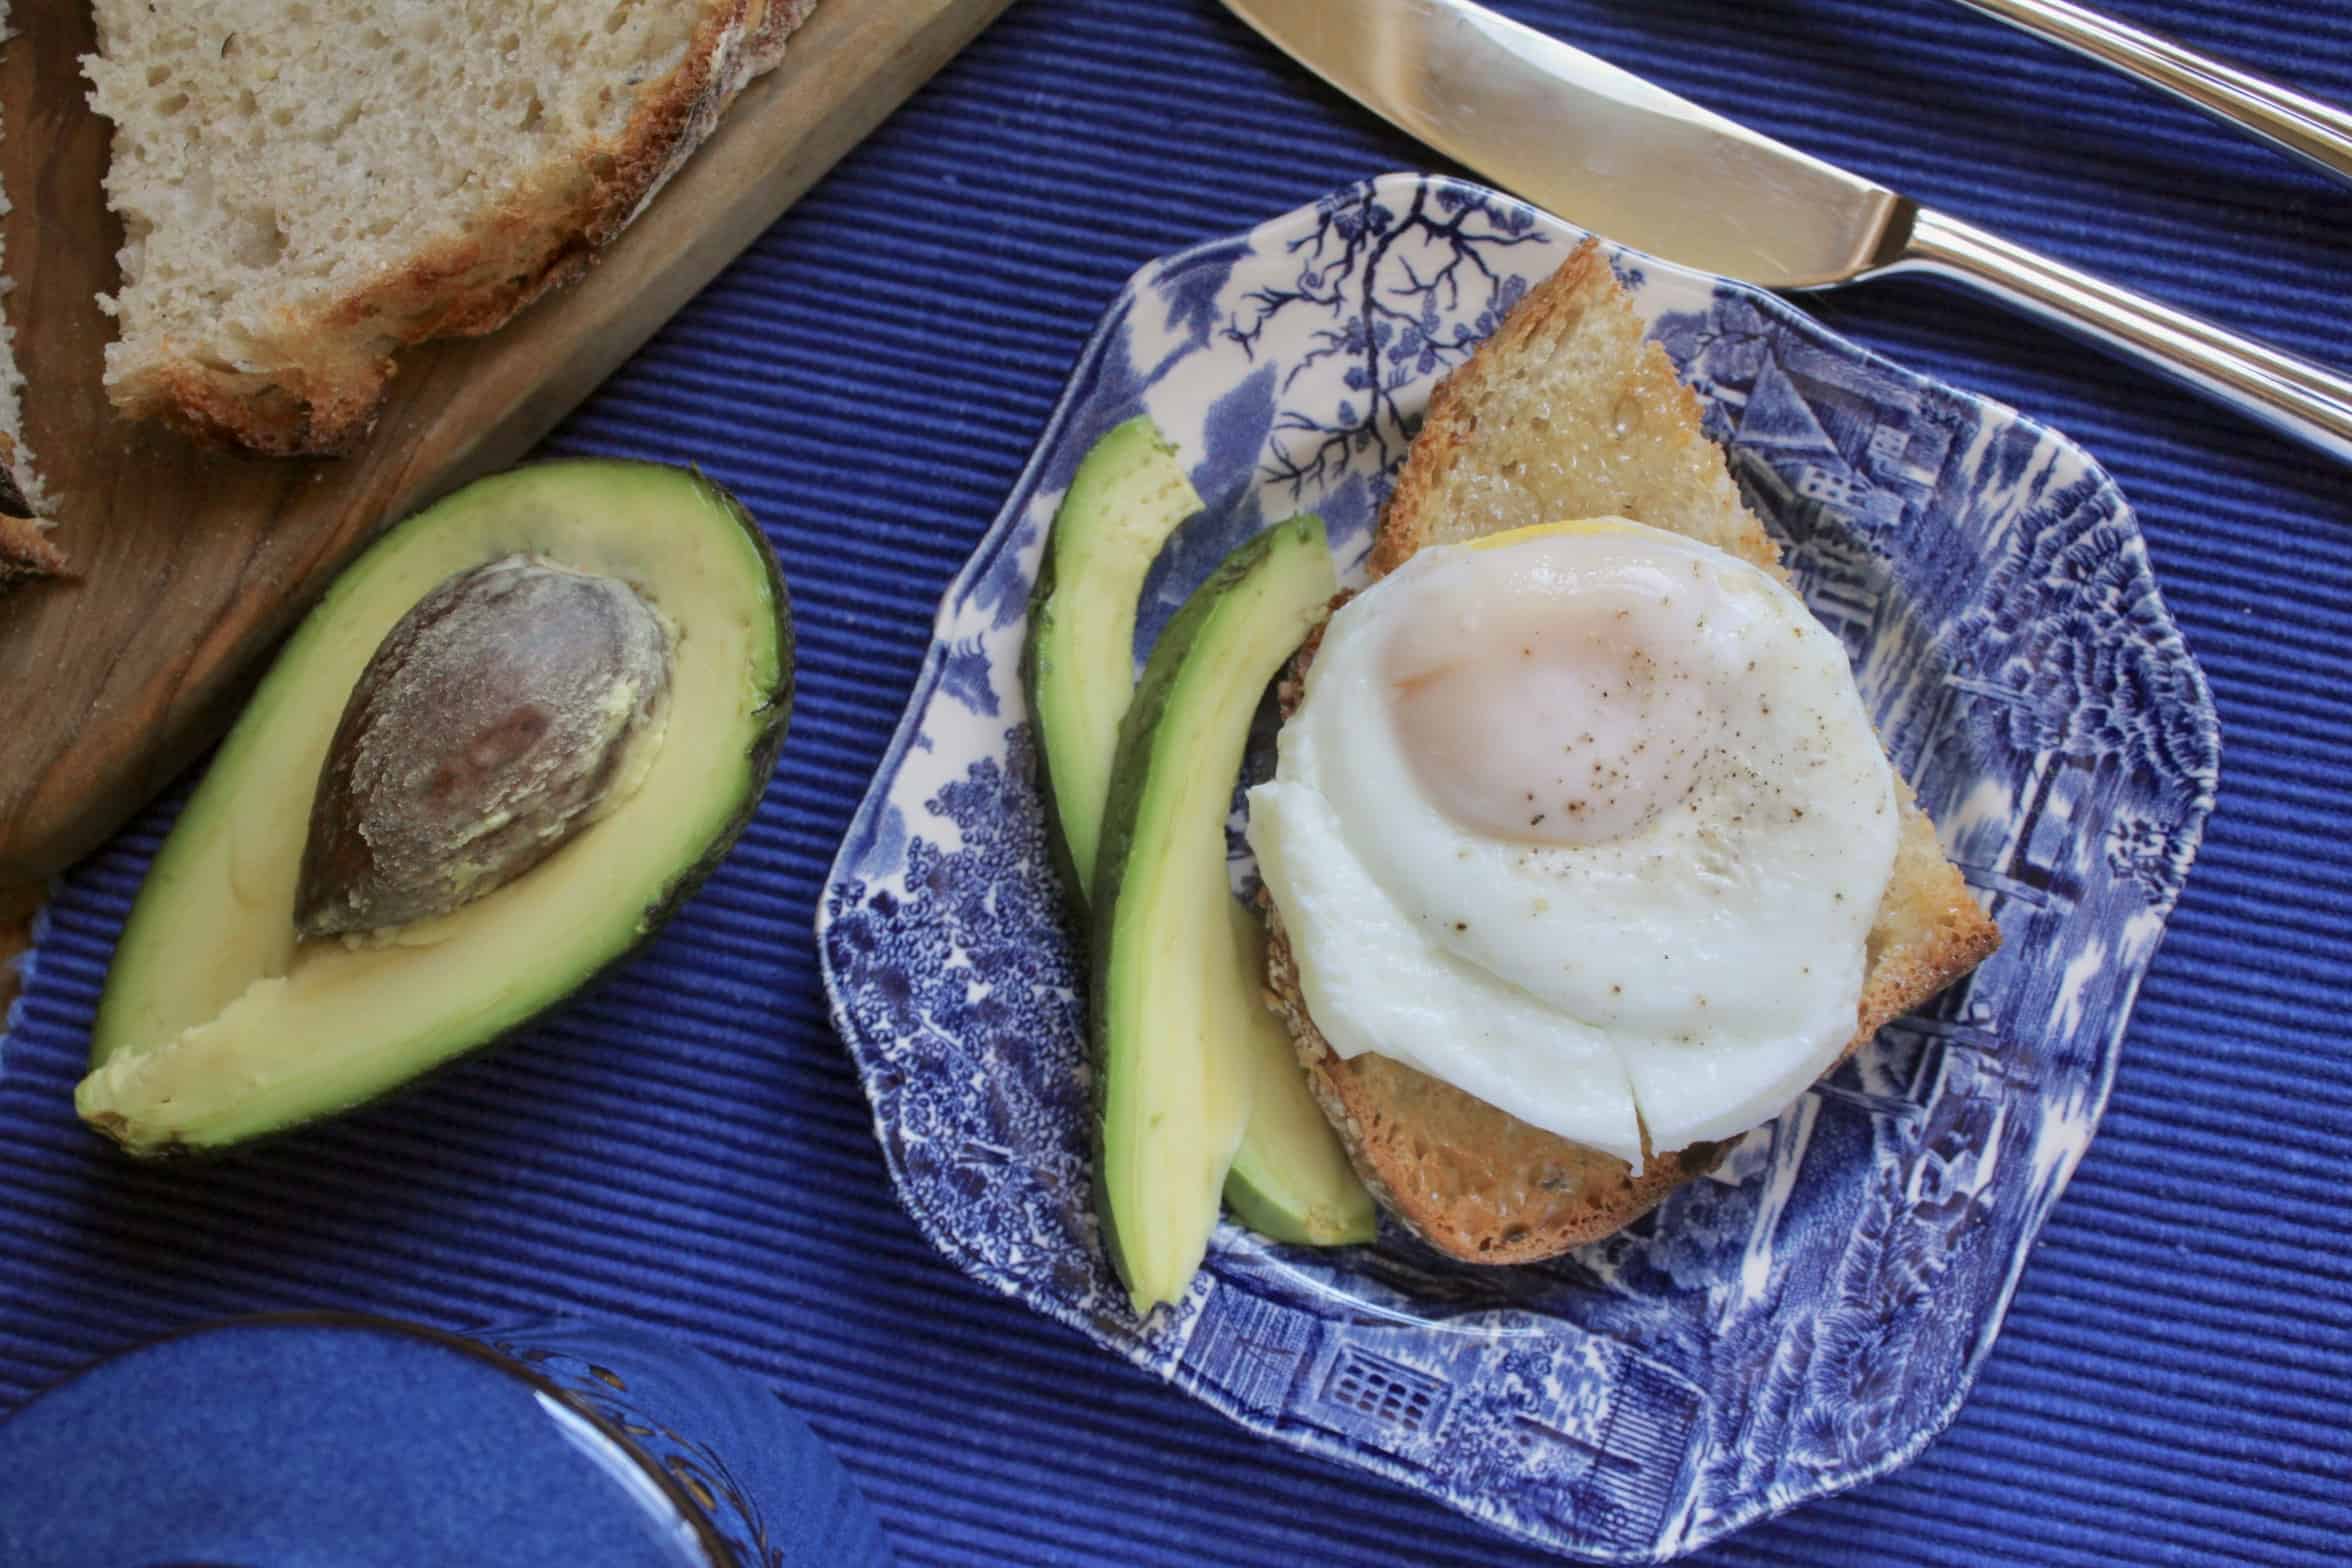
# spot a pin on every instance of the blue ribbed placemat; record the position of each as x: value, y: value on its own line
x: 687, y: 1147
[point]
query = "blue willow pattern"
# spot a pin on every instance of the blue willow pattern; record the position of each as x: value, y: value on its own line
x: 1810, y: 1322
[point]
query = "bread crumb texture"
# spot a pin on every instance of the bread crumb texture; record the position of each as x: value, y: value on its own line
x: 306, y: 186
x: 1567, y: 411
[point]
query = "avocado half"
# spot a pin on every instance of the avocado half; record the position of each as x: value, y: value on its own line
x: 217, y: 1026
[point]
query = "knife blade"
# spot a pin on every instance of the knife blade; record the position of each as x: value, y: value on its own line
x: 1629, y: 160
x: 1597, y: 145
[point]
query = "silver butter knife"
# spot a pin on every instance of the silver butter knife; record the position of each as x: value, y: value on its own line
x: 1613, y: 154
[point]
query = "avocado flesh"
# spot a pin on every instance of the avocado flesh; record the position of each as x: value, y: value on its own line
x: 1126, y: 499
x: 1291, y: 1180
x: 217, y: 1026
x: 1174, y: 992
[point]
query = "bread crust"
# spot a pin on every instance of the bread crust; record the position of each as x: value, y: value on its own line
x: 568, y: 209
x: 1473, y: 1181
x: 25, y: 551
x: 26, y: 554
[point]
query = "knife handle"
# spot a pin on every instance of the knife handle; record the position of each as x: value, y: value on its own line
x: 2306, y: 402
x: 2293, y: 122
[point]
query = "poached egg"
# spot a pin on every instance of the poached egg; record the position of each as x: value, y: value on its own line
x: 1588, y: 821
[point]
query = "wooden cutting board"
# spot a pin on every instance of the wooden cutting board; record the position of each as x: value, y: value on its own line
x: 189, y: 562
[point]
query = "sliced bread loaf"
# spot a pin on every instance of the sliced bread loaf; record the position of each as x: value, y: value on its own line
x: 1567, y: 412
x: 307, y: 186
x: 25, y: 550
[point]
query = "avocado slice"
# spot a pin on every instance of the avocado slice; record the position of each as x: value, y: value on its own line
x: 1291, y: 1179
x: 1125, y: 500
x: 218, y: 1025
x: 1174, y: 992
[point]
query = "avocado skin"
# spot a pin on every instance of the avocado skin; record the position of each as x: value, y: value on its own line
x: 771, y: 718
x: 1057, y: 837
x: 1121, y: 822
x: 1066, y: 879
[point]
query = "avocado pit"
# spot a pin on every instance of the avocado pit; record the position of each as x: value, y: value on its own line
x: 512, y: 706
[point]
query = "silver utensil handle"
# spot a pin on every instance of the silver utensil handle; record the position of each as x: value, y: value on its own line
x: 2295, y: 397
x: 2294, y: 122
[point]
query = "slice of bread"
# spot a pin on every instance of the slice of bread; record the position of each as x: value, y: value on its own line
x: 1567, y: 412
x: 25, y: 551
x: 308, y: 186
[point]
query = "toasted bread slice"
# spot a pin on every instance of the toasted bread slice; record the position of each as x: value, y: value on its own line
x: 308, y: 188
x: 1567, y: 412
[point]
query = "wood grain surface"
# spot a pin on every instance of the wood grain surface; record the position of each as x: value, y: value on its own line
x: 190, y: 562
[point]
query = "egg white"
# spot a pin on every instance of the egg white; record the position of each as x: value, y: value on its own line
x: 1686, y: 967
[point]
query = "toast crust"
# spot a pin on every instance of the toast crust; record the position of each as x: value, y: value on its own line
x: 1473, y: 1181
x: 340, y: 358
x: 25, y: 550
x: 26, y: 555
x: 1490, y: 1188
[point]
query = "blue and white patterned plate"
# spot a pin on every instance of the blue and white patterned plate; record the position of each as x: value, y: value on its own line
x: 1813, y: 1319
